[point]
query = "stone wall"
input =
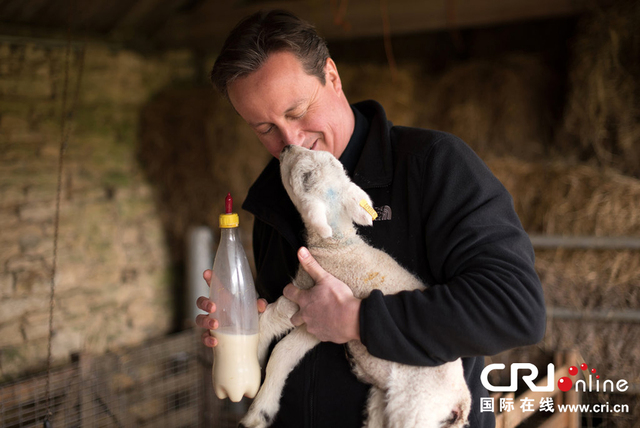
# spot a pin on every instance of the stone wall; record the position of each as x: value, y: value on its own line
x: 113, y: 279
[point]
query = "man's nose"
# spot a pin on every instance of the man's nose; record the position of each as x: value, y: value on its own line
x: 292, y: 136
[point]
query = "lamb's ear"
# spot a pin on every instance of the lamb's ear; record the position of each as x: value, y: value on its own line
x: 359, y: 206
x: 315, y: 213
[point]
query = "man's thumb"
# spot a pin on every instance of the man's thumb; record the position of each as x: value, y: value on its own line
x: 310, y: 265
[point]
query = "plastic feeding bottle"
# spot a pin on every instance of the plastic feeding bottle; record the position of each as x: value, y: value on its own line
x: 236, y: 371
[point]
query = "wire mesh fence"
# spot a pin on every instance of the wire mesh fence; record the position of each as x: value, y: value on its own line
x: 168, y: 384
x: 165, y: 384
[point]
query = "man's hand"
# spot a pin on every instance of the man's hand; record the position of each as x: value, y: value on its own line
x: 329, y: 309
x: 208, y: 323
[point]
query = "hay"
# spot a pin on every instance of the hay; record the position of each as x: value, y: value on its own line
x: 557, y: 198
x: 602, y: 114
x: 613, y: 349
x: 499, y: 107
x: 373, y: 81
x: 194, y: 149
x: 590, y: 279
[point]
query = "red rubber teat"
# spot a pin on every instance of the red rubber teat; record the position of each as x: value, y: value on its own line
x: 228, y: 204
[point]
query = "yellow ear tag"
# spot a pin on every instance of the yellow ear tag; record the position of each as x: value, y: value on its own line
x: 369, y: 209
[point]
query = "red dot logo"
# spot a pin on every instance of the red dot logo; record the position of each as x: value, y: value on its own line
x: 565, y: 384
x: 593, y: 371
x: 583, y: 366
x: 573, y: 370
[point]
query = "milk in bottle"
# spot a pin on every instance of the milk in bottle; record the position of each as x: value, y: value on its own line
x: 236, y: 372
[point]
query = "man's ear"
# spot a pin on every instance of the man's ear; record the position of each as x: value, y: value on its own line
x: 315, y: 211
x: 331, y: 75
x: 359, y: 213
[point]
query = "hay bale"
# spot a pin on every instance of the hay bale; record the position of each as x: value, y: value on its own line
x: 590, y: 279
x: 498, y: 106
x: 603, y: 104
x: 194, y: 149
x: 613, y: 349
x: 576, y: 199
x: 501, y: 107
x: 367, y: 81
x: 556, y: 198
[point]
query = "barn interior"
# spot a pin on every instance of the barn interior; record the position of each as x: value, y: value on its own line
x: 116, y: 154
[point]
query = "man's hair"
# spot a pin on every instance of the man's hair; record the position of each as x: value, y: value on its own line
x: 256, y: 37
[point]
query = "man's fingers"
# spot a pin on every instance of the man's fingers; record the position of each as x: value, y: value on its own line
x: 297, y: 320
x: 205, y: 321
x: 262, y: 305
x: 310, y: 265
x: 209, y: 340
x: 294, y: 294
x: 207, y: 274
x: 205, y: 304
x: 291, y: 292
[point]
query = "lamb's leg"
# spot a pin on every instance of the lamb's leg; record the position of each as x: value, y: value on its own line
x: 285, y: 356
x: 406, y: 406
x: 436, y: 397
x: 275, y: 321
x: 375, y: 408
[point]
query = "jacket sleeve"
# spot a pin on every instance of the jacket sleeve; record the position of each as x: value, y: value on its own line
x: 488, y: 297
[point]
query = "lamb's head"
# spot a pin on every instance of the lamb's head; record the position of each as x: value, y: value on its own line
x: 323, y: 193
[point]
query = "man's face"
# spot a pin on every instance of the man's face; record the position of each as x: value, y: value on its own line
x: 284, y: 105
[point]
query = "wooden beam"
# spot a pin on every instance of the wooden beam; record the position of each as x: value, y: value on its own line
x: 145, y: 16
x: 585, y: 242
x: 211, y: 23
x: 603, y: 315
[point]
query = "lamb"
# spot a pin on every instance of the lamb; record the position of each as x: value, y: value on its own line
x: 400, y: 396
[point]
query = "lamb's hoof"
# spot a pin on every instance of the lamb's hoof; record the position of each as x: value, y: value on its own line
x: 261, y: 420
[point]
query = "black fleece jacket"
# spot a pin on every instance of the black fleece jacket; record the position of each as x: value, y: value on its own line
x: 444, y: 217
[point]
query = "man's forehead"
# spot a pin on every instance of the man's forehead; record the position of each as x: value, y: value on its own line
x: 280, y: 87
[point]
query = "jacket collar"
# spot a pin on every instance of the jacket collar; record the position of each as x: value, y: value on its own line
x: 375, y: 167
x: 268, y: 200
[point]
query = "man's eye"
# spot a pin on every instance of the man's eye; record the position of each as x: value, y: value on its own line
x: 298, y: 116
x: 266, y: 131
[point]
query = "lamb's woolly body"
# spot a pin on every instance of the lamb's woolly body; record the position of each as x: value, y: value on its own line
x: 401, y: 396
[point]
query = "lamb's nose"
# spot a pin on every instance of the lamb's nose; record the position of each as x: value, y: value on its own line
x: 285, y: 149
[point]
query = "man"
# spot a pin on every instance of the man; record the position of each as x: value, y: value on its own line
x: 446, y: 219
